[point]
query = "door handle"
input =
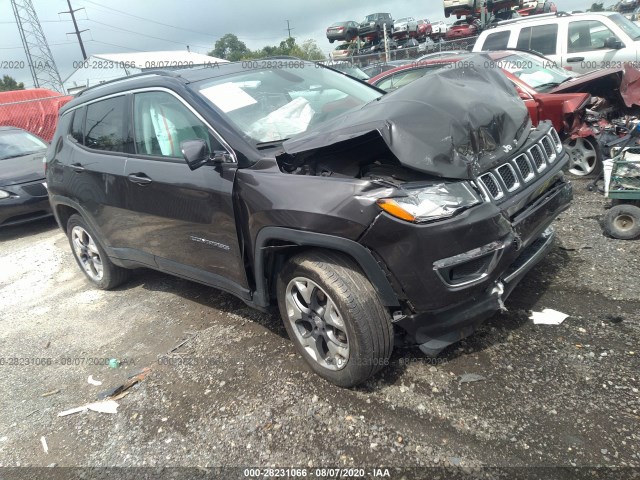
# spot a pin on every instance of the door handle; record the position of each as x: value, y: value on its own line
x: 77, y: 167
x: 139, y: 178
x: 575, y: 59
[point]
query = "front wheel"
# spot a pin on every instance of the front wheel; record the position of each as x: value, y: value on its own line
x: 334, y: 317
x: 91, y: 257
x: 623, y: 222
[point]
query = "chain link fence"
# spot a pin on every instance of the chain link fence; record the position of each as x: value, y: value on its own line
x: 36, y: 115
x: 426, y: 48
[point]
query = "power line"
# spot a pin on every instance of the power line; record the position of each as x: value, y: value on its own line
x: 51, y: 45
x: 189, y: 30
x: 141, y: 34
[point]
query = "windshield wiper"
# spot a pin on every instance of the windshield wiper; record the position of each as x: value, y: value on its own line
x: 270, y: 144
x: 548, y: 85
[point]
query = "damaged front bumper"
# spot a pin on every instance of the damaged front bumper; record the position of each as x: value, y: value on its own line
x: 456, y: 273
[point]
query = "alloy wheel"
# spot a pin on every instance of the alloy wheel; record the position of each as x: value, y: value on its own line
x: 317, y: 323
x: 583, y: 157
x: 87, y: 253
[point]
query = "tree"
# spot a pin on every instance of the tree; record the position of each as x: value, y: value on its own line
x: 311, y: 51
x: 229, y: 48
x: 597, y: 7
x: 9, y: 83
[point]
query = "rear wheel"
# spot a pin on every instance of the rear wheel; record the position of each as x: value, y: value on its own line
x: 91, y: 257
x: 584, y: 157
x: 334, y: 317
x: 623, y: 222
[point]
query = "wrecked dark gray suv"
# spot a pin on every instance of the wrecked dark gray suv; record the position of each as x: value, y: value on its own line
x: 364, y: 217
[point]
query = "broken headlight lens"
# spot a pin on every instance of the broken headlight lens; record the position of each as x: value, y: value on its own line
x: 434, y: 202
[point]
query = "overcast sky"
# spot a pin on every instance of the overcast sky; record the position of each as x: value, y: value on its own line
x: 117, y: 26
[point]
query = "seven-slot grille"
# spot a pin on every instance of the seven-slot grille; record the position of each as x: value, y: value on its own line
x: 513, y: 175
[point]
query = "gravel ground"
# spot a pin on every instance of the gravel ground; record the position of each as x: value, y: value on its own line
x: 237, y: 394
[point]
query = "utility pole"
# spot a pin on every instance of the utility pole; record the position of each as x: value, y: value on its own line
x: 75, y: 25
x: 289, y: 28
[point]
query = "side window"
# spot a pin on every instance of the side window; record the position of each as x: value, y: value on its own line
x: 105, y: 125
x: 541, y: 38
x: 587, y: 35
x: 162, y: 123
x: 77, y: 126
x: 497, y: 41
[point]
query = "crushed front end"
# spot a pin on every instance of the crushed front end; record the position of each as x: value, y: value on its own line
x: 452, y: 274
x: 466, y: 193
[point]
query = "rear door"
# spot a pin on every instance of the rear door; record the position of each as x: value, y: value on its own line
x: 184, y: 218
x: 93, y: 169
x: 544, y: 39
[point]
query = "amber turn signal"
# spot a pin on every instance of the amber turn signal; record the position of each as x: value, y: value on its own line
x: 391, y: 207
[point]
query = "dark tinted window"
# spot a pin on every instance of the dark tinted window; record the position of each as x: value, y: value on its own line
x: 105, y: 125
x: 77, y: 126
x: 497, y: 41
x: 541, y: 38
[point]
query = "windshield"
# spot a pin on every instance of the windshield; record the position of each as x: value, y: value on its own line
x: 15, y: 143
x: 626, y: 25
x: 537, y: 72
x: 273, y: 105
x: 402, y: 20
x: 370, y: 18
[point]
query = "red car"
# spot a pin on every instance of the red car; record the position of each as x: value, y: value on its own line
x: 462, y: 29
x: 550, y: 93
x: 424, y: 28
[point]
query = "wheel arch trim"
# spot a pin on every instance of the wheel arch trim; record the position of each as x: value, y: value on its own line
x: 358, y: 252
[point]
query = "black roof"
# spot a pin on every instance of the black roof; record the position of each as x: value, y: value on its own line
x: 175, y: 79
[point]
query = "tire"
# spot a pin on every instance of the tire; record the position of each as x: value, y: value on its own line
x: 623, y: 222
x: 91, y: 257
x: 332, y: 40
x: 349, y: 338
x: 585, y: 158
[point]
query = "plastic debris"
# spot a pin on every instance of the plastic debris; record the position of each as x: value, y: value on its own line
x: 91, y: 381
x: 45, y: 447
x: 107, y: 406
x: 548, y: 316
x: 114, y: 363
x: 471, y: 377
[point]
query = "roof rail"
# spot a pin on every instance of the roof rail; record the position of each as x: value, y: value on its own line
x: 123, y: 79
x: 532, y: 17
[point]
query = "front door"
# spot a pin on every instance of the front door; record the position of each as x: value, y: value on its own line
x: 184, y: 218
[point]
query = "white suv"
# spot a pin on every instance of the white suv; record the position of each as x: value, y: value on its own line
x: 582, y: 42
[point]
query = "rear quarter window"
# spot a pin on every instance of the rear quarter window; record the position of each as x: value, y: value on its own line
x: 497, y: 41
x: 540, y: 38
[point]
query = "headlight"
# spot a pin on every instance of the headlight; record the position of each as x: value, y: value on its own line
x: 4, y: 194
x: 431, y: 203
x: 372, y: 24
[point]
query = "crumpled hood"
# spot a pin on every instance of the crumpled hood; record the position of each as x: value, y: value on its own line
x: 455, y: 122
x: 28, y: 168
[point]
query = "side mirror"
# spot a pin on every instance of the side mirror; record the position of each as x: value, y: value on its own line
x: 196, y: 153
x: 613, y: 43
